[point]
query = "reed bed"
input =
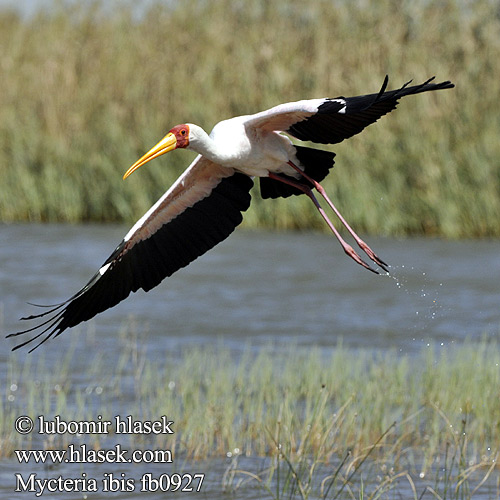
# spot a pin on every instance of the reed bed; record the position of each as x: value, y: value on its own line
x: 86, y: 88
x: 308, y: 414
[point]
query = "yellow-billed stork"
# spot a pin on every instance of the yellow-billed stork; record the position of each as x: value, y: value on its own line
x: 204, y: 205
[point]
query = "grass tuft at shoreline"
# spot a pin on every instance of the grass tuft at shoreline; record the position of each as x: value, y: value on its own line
x: 86, y: 90
x: 412, y: 415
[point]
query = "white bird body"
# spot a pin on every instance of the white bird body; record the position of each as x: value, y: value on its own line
x: 248, y: 150
x: 206, y: 202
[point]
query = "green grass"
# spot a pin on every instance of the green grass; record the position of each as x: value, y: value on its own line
x: 331, y: 422
x: 85, y: 90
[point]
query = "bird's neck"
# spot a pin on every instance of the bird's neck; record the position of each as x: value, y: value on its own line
x: 205, y: 145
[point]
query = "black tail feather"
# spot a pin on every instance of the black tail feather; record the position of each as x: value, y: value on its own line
x: 316, y: 163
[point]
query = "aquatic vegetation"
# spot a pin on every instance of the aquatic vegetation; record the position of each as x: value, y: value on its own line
x: 320, y: 423
x: 86, y: 90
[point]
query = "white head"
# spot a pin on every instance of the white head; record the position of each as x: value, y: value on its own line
x: 186, y: 135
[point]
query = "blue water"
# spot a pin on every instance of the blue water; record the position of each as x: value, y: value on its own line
x: 264, y: 287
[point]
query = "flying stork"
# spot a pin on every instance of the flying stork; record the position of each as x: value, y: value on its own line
x: 205, y: 204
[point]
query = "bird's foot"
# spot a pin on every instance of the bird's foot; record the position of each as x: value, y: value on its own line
x: 373, y: 256
x: 354, y: 256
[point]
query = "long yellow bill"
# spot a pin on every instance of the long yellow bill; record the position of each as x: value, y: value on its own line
x: 168, y: 143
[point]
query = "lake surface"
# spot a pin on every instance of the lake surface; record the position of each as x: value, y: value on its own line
x: 263, y: 287
x: 255, y: 289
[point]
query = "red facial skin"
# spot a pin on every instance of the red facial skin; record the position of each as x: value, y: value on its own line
x: 181, y: 133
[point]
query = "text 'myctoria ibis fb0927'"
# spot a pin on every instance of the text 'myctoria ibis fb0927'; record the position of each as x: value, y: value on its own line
x: 205, y: 204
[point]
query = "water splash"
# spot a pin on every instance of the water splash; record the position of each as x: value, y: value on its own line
x: 425, y: 297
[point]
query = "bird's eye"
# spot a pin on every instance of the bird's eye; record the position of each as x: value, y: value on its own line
x: 183, y: 131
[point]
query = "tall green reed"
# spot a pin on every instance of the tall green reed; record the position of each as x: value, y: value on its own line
x: 86, y: 89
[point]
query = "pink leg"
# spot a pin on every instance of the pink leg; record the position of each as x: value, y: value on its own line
x: 359, y: 241
x: 307, y: 190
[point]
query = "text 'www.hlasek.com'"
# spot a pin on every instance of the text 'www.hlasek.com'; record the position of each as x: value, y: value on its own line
x: 84, y: 454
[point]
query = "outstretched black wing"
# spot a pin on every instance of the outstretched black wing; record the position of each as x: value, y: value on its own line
x: 199, y: 211
x: 331, y: 120
x: 327, y: 121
